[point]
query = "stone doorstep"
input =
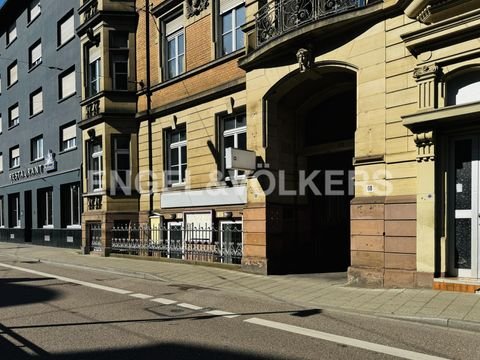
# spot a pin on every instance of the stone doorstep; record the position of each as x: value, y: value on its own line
x: 457, y: 284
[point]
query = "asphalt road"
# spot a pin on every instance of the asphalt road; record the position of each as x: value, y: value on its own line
x: 70, y: 313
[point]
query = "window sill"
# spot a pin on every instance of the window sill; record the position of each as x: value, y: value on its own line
x: 13, y: 126
x: 10, y: 43
x: 12, y: 85
x: 33, y: 20
x: 74, y: 227
x: 59, y: 47
x: 47, y: 227
x: 36, y: 114
x: 37, y: 160
x: 15, y: 168
x: 33, y: 67
x: 67, y: 150
x: 66, y: 98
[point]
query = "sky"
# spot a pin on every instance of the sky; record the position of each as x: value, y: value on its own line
x: 1, y: 2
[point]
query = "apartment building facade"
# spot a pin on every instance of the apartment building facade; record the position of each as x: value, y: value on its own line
x: 108, y: 126
x: 380, y: 96
x: 40, y: 156
x: 193, y: 108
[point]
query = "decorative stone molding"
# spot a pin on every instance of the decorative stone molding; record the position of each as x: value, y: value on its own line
x: 195, y: 7
x: 305, y: 59
x: 425, y: 146
x: 431, y: 11
x: 427, y: 78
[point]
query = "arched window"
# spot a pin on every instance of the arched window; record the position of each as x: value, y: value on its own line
x: 464, y: 88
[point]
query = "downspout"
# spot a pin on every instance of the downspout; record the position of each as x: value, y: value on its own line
x: 149, y: 106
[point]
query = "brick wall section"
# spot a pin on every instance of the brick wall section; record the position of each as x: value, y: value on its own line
x: 198, y: 43
x: 203, y: 81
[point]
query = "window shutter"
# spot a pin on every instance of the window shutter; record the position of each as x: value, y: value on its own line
x: 68, y: 84
x: 34, y: 9
x: 36, y: 53
x: 69, y: 132
x: 226, y: 5
x: 14, y: 113
x: 67, y: 29
x: 37, y: 103
x: 15, y: 153
x: 13, y: 74
x: 174, y: 25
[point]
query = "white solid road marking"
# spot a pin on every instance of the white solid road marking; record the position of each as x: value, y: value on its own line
x: 164, y: 301
x: 141, y: 296
x: 226, y: 314
x: 190, y: 306
x: 404, y: 354
x: 73, y: 281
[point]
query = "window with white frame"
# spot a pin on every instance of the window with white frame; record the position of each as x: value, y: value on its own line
x: 174, y: 47
x: 36, y: 102
x: 36, y: 148
x: 68, y: 137
x: 2, y: 216
x: 66, y: 29
x: 94, y: 70
x: 34, y: 10
x: 232, y: 17
x: 121, y: 161
x: 14, y: 157
x: 35, y: 54
x: 14, y: 219
x: 71, y: 205
x: 176, y: 166
x: 119, y: 59
x: 1, y: 162
x: 13, y: 116
x: 45, y: 207
x: 233, y: 135
x: 67, y: 83
x: 95, y: 165
x: 12, y: 73
x: 12, y: 33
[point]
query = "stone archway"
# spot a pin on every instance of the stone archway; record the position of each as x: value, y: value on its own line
x: 310, y: 122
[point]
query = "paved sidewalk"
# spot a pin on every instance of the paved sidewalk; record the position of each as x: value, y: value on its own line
x: 325, y: 291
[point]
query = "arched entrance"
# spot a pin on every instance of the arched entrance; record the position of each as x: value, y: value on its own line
x: 311, y: 122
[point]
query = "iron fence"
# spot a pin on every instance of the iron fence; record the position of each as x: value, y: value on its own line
x: 278, y: 17
x: 94, y: 233
x: 223, y: 244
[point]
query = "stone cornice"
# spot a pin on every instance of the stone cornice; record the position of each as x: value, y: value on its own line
x: 430, y: 11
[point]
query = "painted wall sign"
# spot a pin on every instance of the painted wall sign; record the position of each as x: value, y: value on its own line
x: 27, y: 173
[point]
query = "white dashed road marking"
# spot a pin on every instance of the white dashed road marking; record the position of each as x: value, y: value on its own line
x: 226, y: 314
x: 404, y: 354
x: 190, y: 306
x: 164, y: 301
x: 73, y: 281
x: 141, y: 296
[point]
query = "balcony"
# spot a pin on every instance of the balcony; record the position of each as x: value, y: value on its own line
x: 283, y: 25
x: 279, y: 17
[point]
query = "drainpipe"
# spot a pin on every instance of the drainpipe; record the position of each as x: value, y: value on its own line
x: 149, y: 105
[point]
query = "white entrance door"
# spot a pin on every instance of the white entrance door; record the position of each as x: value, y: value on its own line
x: 464, y: 251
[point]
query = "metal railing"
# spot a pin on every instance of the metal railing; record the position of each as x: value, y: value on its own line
x: 94, y: 233
x: 278, y: 17
x: 192, y: 243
